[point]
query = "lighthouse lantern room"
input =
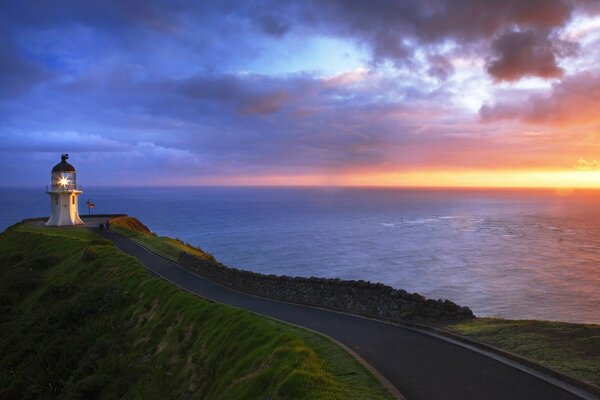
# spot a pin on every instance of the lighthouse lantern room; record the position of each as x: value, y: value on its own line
x: 63, y: 195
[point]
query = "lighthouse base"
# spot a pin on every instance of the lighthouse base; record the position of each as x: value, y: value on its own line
x: 64, y: 208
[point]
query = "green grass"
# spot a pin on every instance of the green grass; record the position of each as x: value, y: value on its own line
x: 168, y: 247
x: 573, y: 349
x: 81, y: 320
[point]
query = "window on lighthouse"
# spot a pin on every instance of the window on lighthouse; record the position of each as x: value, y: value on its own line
x: 56, y: 200
x: 73, y: 200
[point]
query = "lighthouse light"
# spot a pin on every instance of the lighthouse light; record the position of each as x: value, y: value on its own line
x: 63, y: 181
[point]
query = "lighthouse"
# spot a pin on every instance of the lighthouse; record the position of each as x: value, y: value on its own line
x: 63, y: 193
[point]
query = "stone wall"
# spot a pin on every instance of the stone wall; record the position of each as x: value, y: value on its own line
x: 357, y: 297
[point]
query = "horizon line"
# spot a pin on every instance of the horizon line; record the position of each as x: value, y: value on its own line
x: 323, y: 186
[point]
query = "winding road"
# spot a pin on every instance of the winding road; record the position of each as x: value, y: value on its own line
x: 418, y: 364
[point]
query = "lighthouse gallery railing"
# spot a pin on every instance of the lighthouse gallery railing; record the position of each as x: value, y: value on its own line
x: 63, y: 188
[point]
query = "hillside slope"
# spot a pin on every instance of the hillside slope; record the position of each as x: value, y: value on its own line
x: 79, y: 319
x: 571, y: 349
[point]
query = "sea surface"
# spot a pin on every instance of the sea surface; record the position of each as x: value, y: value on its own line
x: 513, y: 254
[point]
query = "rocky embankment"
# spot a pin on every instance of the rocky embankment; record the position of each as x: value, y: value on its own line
x: 358, y: 297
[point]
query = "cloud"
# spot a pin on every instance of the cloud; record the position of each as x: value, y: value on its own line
x: 583, y: 165
x: 111, y: 15
x: 197, y: 87
x: 346, y: 78
x: 440, y: 67
x: 146, y: 155
x: 53, y: 142
x: 571, y: 102
x: 265, y: 104
x: 520, y: 34
x: 273, y: 26
x: 518, y: 37
x: 527, y: 53
x: 250, y: 94
x: 17, y: 73
x: 231, y: 121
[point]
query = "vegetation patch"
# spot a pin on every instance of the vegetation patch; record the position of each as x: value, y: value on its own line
x: 573, y: 349
x: 133, y: 229
x: 80, y: 319
x: 131, y: 223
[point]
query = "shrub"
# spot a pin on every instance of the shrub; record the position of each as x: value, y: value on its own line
x: 89, y: 254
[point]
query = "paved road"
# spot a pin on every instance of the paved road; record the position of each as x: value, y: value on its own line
x: 418, y: 365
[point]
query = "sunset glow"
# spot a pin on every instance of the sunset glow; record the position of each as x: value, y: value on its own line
x: 509, y: 179
x: 440, y: 179
x: 370, y: 170
x: 276, y: 93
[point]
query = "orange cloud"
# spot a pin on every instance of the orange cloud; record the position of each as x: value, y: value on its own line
x: 583, y: 165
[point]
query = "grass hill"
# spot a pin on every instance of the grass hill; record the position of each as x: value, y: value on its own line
x: 81, y: 320
x: 572, y: 349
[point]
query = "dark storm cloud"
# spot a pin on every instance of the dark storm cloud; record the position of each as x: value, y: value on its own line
x: 518, y: 54
x: 515, y: 35
x: 392, y: 30
x: 519, y: 31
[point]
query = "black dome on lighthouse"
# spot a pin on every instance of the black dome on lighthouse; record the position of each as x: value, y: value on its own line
x: 63, y: 165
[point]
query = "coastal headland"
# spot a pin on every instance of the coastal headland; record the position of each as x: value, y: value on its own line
x: 81, y: 319
x: 363, y: 298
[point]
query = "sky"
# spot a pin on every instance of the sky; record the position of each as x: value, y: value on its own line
x: 338, y: 92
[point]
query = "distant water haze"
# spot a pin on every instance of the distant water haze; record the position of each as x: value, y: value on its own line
x: 513, y: 254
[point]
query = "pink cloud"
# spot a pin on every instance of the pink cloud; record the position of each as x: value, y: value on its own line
x: 574, y: 101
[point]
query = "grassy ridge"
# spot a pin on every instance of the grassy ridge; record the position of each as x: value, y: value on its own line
x: 133, y: 229
x: 80, y: 319
x: 573, y: 349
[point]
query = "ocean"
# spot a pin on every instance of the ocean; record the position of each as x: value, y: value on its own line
x: 506, y: 253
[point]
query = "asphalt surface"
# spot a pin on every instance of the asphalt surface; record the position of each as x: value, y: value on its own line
x: 420, y: 366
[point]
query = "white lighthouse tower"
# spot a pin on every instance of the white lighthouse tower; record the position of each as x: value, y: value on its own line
x: 63, y: 195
